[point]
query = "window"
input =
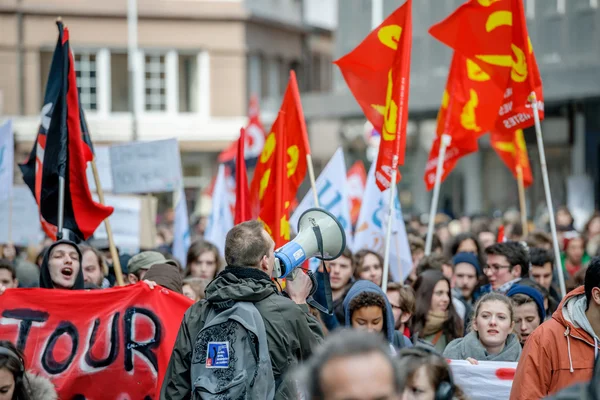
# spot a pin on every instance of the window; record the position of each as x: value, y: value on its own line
x: 188, y: 83
x: 119, y: 83
x: 85, y: 71
x: 155, y: 83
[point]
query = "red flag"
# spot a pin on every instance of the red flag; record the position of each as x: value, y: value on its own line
x: 513, y: 151
x: 242, y: 194
x: 356, y: 179
x: 469, y: 109
x: 378, y: 73
x: 281, y: 167
x: 493, y: 34
x: 62, y: 150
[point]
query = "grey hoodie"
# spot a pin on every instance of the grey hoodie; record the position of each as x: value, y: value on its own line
x: 470, y: 346
x: 574, y: 312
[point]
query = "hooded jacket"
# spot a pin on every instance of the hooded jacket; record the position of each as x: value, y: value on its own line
x: 470, y: 346
x: 368, y: 286
x: 292, y: 333
x: 39, y: 388
x: 46, y: 280
x: 559, y: 353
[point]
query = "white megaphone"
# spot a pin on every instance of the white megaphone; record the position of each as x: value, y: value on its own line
x: 320, y: 235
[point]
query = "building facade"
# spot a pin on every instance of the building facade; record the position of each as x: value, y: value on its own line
x: 197, y: 64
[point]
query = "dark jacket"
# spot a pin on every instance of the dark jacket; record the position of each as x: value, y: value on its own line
x: 292, y: 333
x: 46, y: 280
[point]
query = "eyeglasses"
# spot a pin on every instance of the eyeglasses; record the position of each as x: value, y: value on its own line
x: 495, y: 268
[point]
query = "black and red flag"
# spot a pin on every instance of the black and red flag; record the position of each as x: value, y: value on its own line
x: 62, y: 149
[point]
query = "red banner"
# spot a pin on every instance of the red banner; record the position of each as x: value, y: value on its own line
x: 513, y: 152
x: 98, y: 344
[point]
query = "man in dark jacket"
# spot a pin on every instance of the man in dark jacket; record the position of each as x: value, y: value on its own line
x: 292, y: 333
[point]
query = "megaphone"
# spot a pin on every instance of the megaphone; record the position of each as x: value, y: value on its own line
x: 320, y: 235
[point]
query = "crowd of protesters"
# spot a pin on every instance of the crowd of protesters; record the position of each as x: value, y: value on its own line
x: 477, y: 297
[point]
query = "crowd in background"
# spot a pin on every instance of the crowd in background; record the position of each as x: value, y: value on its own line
x: 477, y: 297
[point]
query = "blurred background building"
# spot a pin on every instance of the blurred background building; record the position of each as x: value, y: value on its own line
x: 199, y: 61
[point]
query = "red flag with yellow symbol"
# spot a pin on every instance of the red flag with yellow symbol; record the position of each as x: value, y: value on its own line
x: 377, y: 73
x: 493, y: 35
x: 513, y: 151
x: 281, y: 167
x: 469, y: 109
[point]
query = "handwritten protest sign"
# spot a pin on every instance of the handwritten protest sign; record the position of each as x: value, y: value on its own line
x: 124, y: 221
x: 103, y: 165
x: 98, y: 344
x: 25, y: 227
x: 490, y: 380
x: 146, y: 167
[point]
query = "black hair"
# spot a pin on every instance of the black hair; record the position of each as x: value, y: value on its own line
x: 592, y: 279
x: 367, y: 299
x: 458, y: 239
x: 514, y: 252
x: 539, y: 257
x: 7, y: 265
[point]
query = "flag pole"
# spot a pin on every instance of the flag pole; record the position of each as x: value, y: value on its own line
x: 111, y: 242
x: 61, y: 207
x: 445, y: 142
x: 311, y: 176
x: 540, y: 143
x: 388, y: 234
x: 522, y: 203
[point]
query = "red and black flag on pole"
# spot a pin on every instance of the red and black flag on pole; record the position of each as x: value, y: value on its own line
x: 61, y: 152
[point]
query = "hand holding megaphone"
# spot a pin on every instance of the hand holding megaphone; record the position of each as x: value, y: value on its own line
x: 320, y: 235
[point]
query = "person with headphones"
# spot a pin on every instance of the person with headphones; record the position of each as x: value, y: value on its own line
x: 427, y: 376
x: 18, y: 384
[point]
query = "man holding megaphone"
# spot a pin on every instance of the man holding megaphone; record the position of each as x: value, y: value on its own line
x: 245, y: 335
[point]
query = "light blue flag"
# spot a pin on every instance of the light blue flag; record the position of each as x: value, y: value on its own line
x: 7, y: 157
x: 181, y: 228
x: 372, y: 225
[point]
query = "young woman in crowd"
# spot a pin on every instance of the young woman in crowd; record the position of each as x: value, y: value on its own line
x: 435, y: 319
x: 427, y: 376
x: 368, y: 266
x: 465, y: 243
x: 193, y: 288
x: 528, y: 304
x: 367, y: 308
x: 18, y: 384
x: 491, y: 337
x: 203, y: 261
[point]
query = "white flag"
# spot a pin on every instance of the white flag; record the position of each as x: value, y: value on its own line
x: 372, y: 226
x: 181, y: 228
x: 6, y: 160
x: 221, y: 219
x: 333, y: 197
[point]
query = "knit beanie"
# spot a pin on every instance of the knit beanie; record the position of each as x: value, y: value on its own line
x: 534, y: 294
x: 468, y: 258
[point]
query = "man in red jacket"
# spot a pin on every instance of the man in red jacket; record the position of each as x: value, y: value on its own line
x: 561, y: 351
